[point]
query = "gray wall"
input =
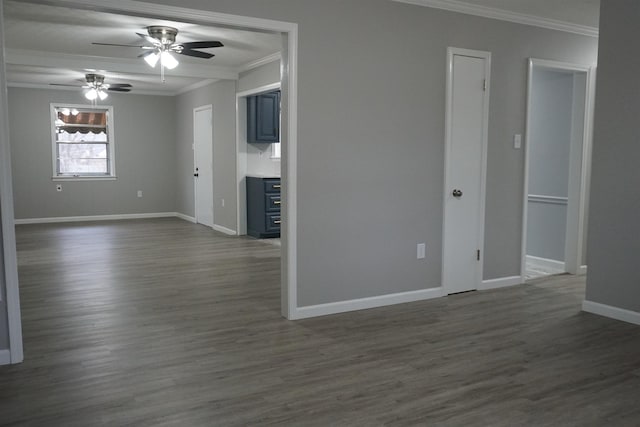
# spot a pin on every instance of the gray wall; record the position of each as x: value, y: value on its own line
x: 549, y: 149
x: 371, y: 137
x: 222, y: 96
x: 614, y: 228
x: 144, y: 157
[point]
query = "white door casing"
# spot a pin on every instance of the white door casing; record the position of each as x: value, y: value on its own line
x: 467, y: 118
x: 203, y: 164
x: 579, y: 167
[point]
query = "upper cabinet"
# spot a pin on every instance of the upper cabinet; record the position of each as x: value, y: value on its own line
x: 263, y: 118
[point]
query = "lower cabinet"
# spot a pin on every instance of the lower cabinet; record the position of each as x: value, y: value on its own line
x: 263, y: 207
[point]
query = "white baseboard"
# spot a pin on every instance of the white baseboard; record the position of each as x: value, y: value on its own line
x: 115, y: 217
x: 550, y: 265
x: 225, y: 230
x: 366, y: 303
x: 611, y: 312
x: 182, y: 216
x: 185, y: 217
x: 502, y: 282
x: 5, y: 357
x: 582, y: 270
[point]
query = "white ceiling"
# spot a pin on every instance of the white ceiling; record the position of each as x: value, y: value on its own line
x: 48, y: 44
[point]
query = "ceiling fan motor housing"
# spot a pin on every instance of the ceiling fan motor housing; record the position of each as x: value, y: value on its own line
x: 165, y: 35
x: 95, y: 80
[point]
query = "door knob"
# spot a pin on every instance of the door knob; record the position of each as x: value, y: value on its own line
x: 457, y: 193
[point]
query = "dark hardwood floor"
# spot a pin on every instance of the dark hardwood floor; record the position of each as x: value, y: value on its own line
x: 166, y: 323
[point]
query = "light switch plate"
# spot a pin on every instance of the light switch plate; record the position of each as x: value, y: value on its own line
x: 517, y: 141
x: 421, y: 251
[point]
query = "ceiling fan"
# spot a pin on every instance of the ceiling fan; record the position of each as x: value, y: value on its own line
x: 97, y: 88
x: 162, y: 44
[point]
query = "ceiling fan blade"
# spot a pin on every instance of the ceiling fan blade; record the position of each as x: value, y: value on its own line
x: 149, y: 39
x: 115, y: 44
x: 60, y: 84
x: 119, y: 89
x: 119, y: 85
x: 201, y: 45
x: 196, y: 53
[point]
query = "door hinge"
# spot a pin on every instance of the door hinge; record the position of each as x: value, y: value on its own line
x: 484, y: 85
x: 478, y: 255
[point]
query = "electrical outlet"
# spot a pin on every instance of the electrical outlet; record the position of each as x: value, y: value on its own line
x: 223, y: 203
x: 422, y: 251
x: 140, y: 193
x: 58, y: 187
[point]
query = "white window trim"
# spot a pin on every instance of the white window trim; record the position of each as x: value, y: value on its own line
x: 110, y: 139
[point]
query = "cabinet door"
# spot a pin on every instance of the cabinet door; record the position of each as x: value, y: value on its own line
x: 268, y: 117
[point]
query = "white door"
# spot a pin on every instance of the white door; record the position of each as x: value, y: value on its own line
x: 203, y: 164
x: 465, y: 162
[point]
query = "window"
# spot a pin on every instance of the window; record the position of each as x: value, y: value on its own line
x: 82, y: 142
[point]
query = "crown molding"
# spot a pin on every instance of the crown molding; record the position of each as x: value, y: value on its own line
x: 195, y: 86
x: 260, y: 62
x: 504, y: 15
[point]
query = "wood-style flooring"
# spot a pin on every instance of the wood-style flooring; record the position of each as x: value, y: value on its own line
x: 167, y: 323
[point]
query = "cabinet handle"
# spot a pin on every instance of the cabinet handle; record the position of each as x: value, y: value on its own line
x: 277, y: 202
x: 277, y: 186
x: 277, y: 221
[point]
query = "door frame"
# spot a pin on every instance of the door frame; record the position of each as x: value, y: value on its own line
x: 575, y: 241
x: 289, y: 137
x: 241, y: 155
x: 451, y: 52
x: 195, y: 181
x: 10, y: 260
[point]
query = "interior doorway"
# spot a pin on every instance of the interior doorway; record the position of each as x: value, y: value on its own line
x: 289, y: 33
x: 251, y: 160
x: 557, y: 159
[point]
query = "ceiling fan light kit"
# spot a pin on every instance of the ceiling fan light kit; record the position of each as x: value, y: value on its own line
x: 96, y: 88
